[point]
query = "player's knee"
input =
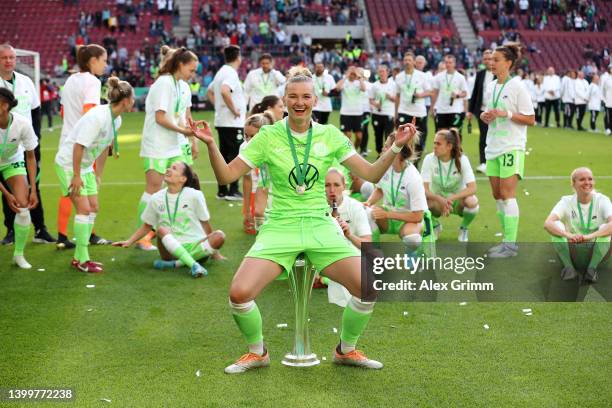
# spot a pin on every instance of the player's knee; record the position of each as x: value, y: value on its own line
x: 471, y: 202
x: 162, y: 232
x: 240, y: 294
x: 216, y: 239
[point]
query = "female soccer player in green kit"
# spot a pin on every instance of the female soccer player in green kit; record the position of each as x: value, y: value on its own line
x: 17, y: 135
x: 450, y: 185
x: 509, y: 111
x: 88, y: 142
x: 582, y: 221
x: 298, y: 153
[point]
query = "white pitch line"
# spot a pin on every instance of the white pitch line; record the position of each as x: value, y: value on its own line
x: 137, y: 183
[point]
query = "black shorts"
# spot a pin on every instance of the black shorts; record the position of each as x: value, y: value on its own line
x: 230, y: 139
x: 350, y: 123
x: 320, y: 117
x: 382, y: 122
x: 449, y: 120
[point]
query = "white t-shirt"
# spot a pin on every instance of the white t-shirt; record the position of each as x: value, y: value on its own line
x: 581, y: 92
x: 21, y: 137
x: 552, y: 83
x: 403, y: 193
x: 258, y: 84
x: 530, y: 86
x: 184, y: 103
x: 82, y: 88
x: 379, y: 92
x: 428, y: 81
x: 567, y: 89
x: 157, y: 141
x: 505, y: 135
x: 94, y: 131
x: 355, y: 214
x: 190, y: 212
x: 594, y: 97
x: 567, y: 211
x: 443, y: 183
x: 365, y: 97
x: 253, y: 172
x: 540, y: 92
x: 446, y: 84
x: 606, y: 86
x: 25, y: 92
x: 406, y: 86
x: 324, y: 82
x: 223, y: 116
x: 351, y: 98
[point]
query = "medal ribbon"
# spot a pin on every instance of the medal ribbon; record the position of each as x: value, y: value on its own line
x: 588, y: 226
x: 172, y: 217
x: 496, y: 100
x: 441, y: 175
x: 395, y: 192
x: 300, y: 171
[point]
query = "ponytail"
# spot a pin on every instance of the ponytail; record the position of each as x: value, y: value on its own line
x: 85, y: 53
x: 452, y: 137
x: 192, y: 178
x: 171, y: 59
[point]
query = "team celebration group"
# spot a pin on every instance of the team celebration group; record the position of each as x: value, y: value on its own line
x: 306, y: 185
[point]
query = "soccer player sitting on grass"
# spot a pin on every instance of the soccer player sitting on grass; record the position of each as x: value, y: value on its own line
x: 298, y: 153
x: 450, y: 185
x: 181, y: 220
x: 89, y: 142
x: 403, y: 195
x: 17, y: 135
x: 580, y: 226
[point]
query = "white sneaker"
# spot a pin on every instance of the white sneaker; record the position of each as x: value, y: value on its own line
x: 247, y: 362
x: 463, y: 235
x: 21, y: 262
x: 482, y: 168
x: 608, y: 132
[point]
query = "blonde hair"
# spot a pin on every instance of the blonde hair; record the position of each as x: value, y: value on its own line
x: 118, y: 90
x: 408, y: 152
x: 338, y: 172
x: 259, y: 119
x: 575, y: 172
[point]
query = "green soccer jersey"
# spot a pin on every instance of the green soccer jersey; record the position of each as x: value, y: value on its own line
x: 271, y: 147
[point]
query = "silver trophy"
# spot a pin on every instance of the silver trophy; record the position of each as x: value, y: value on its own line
x: 301, y: 278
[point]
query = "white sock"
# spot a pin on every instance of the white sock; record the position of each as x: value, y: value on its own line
x: 511, y: 207
x: 170, y: 243
x: 499, y: 204
x: 23, y: 217
x: 412, y: 241
x: 472, y: 210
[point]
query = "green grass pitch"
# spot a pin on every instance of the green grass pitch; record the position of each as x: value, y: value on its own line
x: 140, y: 335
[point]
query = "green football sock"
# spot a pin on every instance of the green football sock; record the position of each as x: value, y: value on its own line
x: 21, y: 226
x: 249, y: 321
x: 600, y: 249
x: 468, y: 216
x: 376, y: 235
x: 142, y: 204
x: 354, y: 321
x: 325, y: 280
x: 82, y: 230
x: 176, y: 249
x: 562, y: 248
x: 510, y: 228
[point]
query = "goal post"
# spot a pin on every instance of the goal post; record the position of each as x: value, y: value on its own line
x: 28, y: 63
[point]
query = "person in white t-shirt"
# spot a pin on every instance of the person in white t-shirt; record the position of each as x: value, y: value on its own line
x: 18, y: 137
x: 568, y: 94
x: 382, y: 98
x: 324, y: 84
x: 160, y: 146
x: 81, y: 92
x: 606, y: 92
x: 89, y: 142
x: 449, y: 99
x: 420, y: 63
x: 226, y: 93
x: 450, y: 185
x: 351, y: 89
x: 352, y: 219
x: 581, y: 224
x: 552, y: 95
x: 509, y: 112
x: 404, y: 201
x: 262, y: 81
x: 182, y: 222
x: 28, y: 106
x: 411, y: 87
x: 581, y: 98
x: 594, y: 105
x: 541, y: 98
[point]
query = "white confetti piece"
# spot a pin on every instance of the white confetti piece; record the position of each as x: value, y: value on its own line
x: 112, y: 259
x: 486, y: 327
x: 41, y: 269
x: 231, y: 205
x: 579, y: 152
x: 198, y: 373
x: 90, y: 310
x: 324, y: 358
x: 90, y: 286
x: 105, y: 400
x: 393, y: 327
x: 462, y: 303
x: 498, y: 234
x: 529, y: 314
x: 281, y: 325
x: 527, y: 153
x: 527, y: 310
x: 526, y: 193
x: 405, y: 313
x: 552, y: 260
x: 335, y: 330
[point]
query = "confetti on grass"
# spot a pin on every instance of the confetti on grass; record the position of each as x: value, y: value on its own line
x: 527, y: 310
x: 41, y: 269
x: 105, y: 400
x: 405, y: 313
x: 462, y: 303
x: 198, y: 373
x: 324, y: 358
x: 90, y: 286
x: 486, y: 327
x: 281, y: 325
x: 335, y: 330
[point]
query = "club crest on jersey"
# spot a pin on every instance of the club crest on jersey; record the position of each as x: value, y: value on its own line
x: 310, y: 178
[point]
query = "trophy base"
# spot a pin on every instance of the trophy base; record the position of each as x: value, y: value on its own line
x: 308, y: 360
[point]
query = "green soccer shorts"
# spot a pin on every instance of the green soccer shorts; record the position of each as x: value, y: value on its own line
x: 507, y: 165
x: 160, y: 165
x: 13, y: 169
x: 90, y: 186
